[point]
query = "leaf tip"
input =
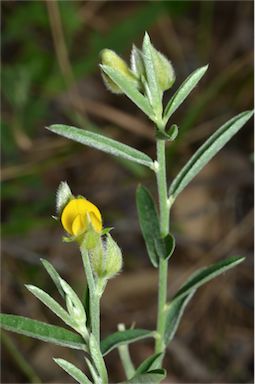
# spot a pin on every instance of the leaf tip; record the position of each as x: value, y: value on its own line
x: 30, y: 287
x: 52, y: 127
x: 250, y: 113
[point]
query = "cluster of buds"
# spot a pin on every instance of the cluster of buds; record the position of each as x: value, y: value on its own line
x: 83, y: 223
x: 136, y: 74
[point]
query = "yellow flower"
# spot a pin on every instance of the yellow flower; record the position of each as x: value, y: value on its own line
x: 78, y: 214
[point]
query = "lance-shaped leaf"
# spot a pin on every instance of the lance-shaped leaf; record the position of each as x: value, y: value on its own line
x: 94, y: 374
x: 128, y: 88
x: 206, y: 274
x: 149, y: 62
x: 54, y: 276
x: 206, y: 152
x: 149, y: 222
x: 150, y: 363
x: 52, y: 304
x: 73, y: 371
x: 42, y: 331
x: 124, y: 337
x: 180, y: 95
x: 181, y: 299
x: 174, y: 314
x: 102, y: 143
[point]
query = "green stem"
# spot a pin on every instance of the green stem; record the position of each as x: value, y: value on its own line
x: 164, y: 229
x: 94, y: 297
x: 125, y: 357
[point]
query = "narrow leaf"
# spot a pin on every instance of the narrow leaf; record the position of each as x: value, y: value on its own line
x: 42, y: 331
x: 207, y: 151
x: 177, y: 306
x: 93, y: 371
x: 184, y: 90
x: 170, y: 134
x: 128, y: 88
x: 54, y: 276
x: 124, y: 337
x: 150, y: 74
x: 73, y: 371
x: 149, y: 222
x: 174, y: 314
x: 102, y: 143
x: 165, y: 246
x: 97, y: 358
x: 206, y: 274
x: 152, y: 377
x: 150, y: 363
x: 51, y: 304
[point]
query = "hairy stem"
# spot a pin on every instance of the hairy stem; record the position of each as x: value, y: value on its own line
x: 125, y: 357
x: 94, y: 296
x: 164, y: 229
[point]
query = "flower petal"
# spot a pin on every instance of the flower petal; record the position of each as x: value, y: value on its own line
x: 80, y: 224
x: 81, y: 207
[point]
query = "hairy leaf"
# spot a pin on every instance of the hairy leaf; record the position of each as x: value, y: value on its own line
x: 73, y: 371
x: 42, y: 331
x: 128, y: 88
x: 149, y: 222
x: 102, y: 143
x: 124, y: 337
x: 206, y: 274
x: 184, y: 90
x: 206, y: 152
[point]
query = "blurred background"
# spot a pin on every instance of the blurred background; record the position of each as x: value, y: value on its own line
x: 50, y: 75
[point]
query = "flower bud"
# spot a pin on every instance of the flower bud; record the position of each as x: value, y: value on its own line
x: 113, y: 257
x: 111, y: 59
x: 137, y: 63
x: 91, y: 238
x: 97, y: 259
x: 164, y: 70
x: 106, y: 258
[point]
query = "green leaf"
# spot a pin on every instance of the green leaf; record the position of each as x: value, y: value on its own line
x: 124, y: 337
x: 149, y: 222
x: 93, y: 371
x: 102, y: 143
x: 206, y: 274
x: 128, y: 88
x: 74, y: 305
x: 42, y: 331
x: 97, y: 358
x: 170, y: 134
x: 52, y: 304
x: 173, y: 316
x: 152, y: 377
x: 181, y: 299
x: 73, y: 371
x: 150, y: 363
x: 165, y: 246
x: 154, y: 91
x: 54, y: 276
x: 206, y: 152
x: 184, y: 90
